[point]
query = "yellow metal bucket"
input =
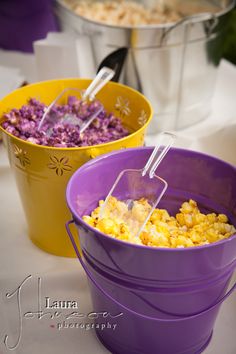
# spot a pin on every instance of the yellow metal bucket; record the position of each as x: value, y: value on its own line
x: 42, y: 172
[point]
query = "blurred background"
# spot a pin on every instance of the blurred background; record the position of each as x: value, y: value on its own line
x: 23, y: 22
x: 168, y: 50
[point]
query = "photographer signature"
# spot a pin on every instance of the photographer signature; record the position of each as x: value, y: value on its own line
x: 52, y: 312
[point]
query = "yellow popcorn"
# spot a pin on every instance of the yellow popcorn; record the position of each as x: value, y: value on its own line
x: 211, y: 218
x: 108, y: 226
x: 160, y: 215
x: 195, y: 236
x: 188, y: 228
x: 222, y: 218
x: 199, y: 218
x: 138, y: 211
x: 89, y: 220
x: 189, y: 207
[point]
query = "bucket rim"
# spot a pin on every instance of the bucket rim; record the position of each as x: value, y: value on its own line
x: 168, y: 25
x: 115, y: 241
x: 79, y: 148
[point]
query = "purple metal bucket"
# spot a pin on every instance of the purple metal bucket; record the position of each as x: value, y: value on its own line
x: 164, y: 293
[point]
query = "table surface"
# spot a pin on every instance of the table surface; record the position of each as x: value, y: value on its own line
x: 63, y: 279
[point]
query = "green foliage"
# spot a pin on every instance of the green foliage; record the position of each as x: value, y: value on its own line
x: 229, y: 43
x: 224, y: 45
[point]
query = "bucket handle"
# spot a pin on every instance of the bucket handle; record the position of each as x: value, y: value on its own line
x: 205, y: 16
x: 89, y: 275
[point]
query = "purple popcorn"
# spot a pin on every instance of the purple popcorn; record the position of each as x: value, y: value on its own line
x: 24, y: 122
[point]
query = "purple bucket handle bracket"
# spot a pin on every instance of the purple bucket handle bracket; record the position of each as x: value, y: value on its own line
x: 123, y: 306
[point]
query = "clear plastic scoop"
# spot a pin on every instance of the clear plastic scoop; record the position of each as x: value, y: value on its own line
x: 84, y: 110
x: 138, y: 191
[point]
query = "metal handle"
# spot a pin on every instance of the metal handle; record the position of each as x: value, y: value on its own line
x: 167, y: 139
x: 205, y: 16
x: 89, y: 275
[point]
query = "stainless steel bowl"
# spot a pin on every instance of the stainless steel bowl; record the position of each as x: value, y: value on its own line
x: 173, y: 64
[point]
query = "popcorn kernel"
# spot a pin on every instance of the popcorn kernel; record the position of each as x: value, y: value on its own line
x: 189, y: 228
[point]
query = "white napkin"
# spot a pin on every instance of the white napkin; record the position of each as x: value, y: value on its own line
x: 10, y: 79
x: 221, y: 143
x: 216, y: 135
x: 63, y: 55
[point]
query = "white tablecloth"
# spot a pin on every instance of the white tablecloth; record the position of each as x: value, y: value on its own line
x: 63, y: 279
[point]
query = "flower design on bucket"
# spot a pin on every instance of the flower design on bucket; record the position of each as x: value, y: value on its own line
x: 122, y: 106
x: 60, y: 165
x: 142, y: 118
x: 21, y: 156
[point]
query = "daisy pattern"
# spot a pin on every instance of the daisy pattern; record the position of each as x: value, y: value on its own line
x: 142, y: 118
x: 122, y: 106
x: 21, y: 156
x: 59, y: 165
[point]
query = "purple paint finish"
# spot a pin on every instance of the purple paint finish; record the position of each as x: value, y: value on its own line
x: 171, y: 296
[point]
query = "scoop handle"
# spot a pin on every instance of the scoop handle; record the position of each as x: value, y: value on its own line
x: 100, y: 80
x: 167, y: 139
